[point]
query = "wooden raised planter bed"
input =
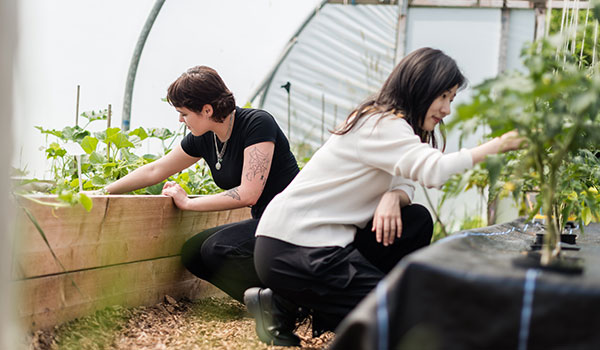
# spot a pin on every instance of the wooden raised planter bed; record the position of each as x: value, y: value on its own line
x: 125, y: 251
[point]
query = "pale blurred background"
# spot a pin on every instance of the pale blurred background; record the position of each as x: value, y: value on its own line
x: 90, y: 43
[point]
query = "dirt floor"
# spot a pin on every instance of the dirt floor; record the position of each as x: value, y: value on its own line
x: 207, y: 324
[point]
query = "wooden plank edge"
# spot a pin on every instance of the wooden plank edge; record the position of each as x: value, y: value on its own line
x: 48, y: 301
x: 85, y: 245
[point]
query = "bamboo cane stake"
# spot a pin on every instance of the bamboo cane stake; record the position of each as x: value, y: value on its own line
x: 574, y: 23
x: 108, y: 127
x: 595, y: 43
x: 77, y: 107
x: 109, y: 115
x: 562, y: 25
x: 548, y: 17
x: 587, y: 14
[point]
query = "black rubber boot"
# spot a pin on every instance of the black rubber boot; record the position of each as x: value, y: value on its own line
x: 274, y: 324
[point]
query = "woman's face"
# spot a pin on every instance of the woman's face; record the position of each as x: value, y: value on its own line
x: 440, y: 107
x: 195, y: 122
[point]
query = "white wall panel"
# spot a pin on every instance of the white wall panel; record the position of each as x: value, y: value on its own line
x: 472, y: 37
x: 521, y: 30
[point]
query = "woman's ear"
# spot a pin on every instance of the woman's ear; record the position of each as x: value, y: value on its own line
x: 207, y: 110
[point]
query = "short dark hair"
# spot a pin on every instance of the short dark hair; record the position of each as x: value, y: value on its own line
x: 199, y: 86
x: 418, y: 79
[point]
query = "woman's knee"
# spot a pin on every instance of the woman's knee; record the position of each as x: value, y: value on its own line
x: 191, y: 256
x: 418, y: 217
x: 191, y: 252
x: 263, y: 260
x: 425, y: 216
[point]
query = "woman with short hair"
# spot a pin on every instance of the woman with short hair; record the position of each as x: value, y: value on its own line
x: 248, y: 156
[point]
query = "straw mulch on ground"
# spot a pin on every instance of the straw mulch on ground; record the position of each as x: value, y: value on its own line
x: 207, y: 324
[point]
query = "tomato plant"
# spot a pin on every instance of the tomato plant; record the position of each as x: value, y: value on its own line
x: 554, y: 106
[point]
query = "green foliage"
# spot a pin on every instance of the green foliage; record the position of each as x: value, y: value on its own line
x: 109, y: 156
x: 555, y: 107
x: 303, y: 152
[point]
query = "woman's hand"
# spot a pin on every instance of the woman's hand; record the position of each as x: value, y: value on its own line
x: 176, y: 192
x: 511, y: 141
x: 387, y: 223
x: 507, y: 142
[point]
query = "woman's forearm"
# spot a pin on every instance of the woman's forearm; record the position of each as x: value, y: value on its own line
x: 401, y: 197
x: 139, y: 178
x: 153, y: 173
x: 230, y: 199
x: 480, y: 152
x: 507, y: 142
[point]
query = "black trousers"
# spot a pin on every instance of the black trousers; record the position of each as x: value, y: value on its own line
x: 331, y: 281
x: 223, y: 256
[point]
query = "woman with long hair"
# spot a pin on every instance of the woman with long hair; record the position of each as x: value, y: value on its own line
x: 348, y: 218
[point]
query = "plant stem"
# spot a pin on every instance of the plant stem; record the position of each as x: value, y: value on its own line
x: 551, y: 248
x: 437, y: 217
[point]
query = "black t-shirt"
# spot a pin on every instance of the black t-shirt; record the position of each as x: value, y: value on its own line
x: 251, y: 126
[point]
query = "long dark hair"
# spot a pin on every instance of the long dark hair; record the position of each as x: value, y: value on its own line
x: 417, y: 80
x: 199, y: 86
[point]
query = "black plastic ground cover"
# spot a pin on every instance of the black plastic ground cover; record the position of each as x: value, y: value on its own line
x: 466, y: 292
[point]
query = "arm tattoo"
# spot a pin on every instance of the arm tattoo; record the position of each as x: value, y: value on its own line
x: 233, y: 193
x: 258, y: 162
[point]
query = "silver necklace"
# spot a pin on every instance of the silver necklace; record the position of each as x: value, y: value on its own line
x: 222, y: 151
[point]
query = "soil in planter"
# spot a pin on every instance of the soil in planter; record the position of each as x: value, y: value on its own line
x: 210, y: 323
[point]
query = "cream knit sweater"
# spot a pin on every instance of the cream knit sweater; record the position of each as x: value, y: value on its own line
x: 340, y: 187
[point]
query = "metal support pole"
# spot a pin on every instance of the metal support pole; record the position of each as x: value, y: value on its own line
x: 322, y: 118
x: 401, y: 30
x: 288, y: 87
x: 504, y: 32
x: 135, y: 60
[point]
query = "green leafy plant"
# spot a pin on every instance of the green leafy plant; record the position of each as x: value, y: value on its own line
x: 110, y: 155
x: 554, y: 106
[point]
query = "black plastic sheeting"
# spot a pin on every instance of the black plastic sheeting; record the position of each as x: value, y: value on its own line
x: 466, y: 292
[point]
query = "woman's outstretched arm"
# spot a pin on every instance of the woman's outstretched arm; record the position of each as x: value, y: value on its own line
x: 153, y: 173
x: 508, y: 142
